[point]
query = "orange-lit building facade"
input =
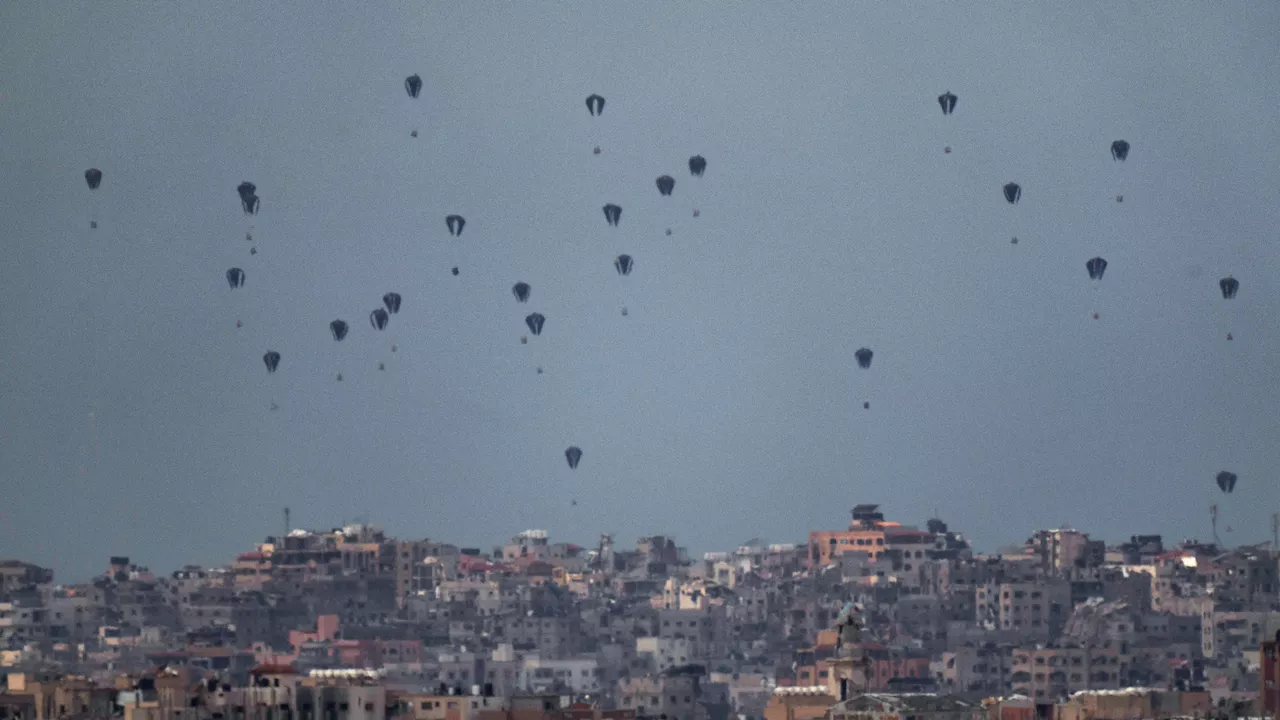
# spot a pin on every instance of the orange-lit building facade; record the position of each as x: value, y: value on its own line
x: 866, y: 534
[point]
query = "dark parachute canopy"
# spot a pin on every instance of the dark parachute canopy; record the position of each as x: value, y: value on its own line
x: 272, y: 360
x: 248, y: 197
x: 378, y: 318
x: 666, y: 184
x: 392, y: 301
x: 521, y: 291
x: 93, y: 176
x: 1229, y: 287
x: 595, y: 104
x: 697, y: 165
x: 1119, y: 150
x: 235, y: 278
x: 863, y: 356
x: 535, y: 321
x: 1012, y: 192
x: 574, y: 455
x: 1226, y: 481
x: 413, y: 85
x: 455, y: 223
x: 1096, y: 267
x: 612, y: 214
x: 948, y: 102
x: 623, y: 264
x: 339, y: 329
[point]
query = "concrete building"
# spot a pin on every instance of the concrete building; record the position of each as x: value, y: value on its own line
x: 865, y: 534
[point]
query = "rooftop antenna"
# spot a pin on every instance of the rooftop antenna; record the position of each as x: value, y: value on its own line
x: 286, y: 522
x: 1213, y: 520
x: 1275, y: 532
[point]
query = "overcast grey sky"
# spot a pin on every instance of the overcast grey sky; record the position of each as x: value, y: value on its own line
x: 727, y: 404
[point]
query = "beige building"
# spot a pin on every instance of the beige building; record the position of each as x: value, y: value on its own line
x: 429, y: 706
x: 1045, y: 674
x: 866, y: 534
x: 915, y: 706
x: 1036, y: 610
x: 1066, y: 548
x: 974, y: 669
x: 1134, y: 703
x: 799, y: 703
x: 58, y: 697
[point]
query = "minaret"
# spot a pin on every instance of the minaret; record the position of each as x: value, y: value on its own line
x: 847, y: 671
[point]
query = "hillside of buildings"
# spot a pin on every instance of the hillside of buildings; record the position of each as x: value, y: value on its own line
x: 874, y: 620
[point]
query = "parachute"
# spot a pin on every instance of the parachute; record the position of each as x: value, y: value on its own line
x: 595, y: 104
x: 248, y: 197
x: 1096, y: 267
x: 235, y: 277
x: 1226, y: 481
x: 413, y: 85
x: 378, y: 318
x: 623, y: 264
x: 666, y: 184
x: 612, y: 214
x: 863, y: 356
x: 697, y: 165
x: 455, y: 223
x: 392, y: 301
x: 1012, y: 193
x: 1119, y: 150
x: 1229, y: 287
x: 521, y: 291
x: 574, y: 455
x: 272, y: 360
x: 535, y: 321
x: 339, y: 329
x: 948, y: 102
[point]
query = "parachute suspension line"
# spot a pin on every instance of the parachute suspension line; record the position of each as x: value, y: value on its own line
x: 95, y: 211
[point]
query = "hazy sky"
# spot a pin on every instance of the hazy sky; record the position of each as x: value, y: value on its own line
x: 727, y: 404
